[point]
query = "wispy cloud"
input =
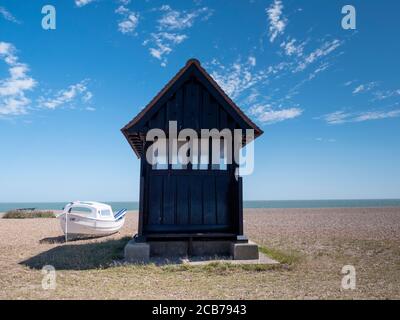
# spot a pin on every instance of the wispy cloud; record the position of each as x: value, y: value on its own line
x: 340, y: 117
x: 238, y: 77
x: 385, y: 94
x: 129, y: 21
x: 376, y: 115
x: 268, y: 91
x: 162, y: 44
x: 241, y: 77
x: 66, y: 97
x: 348, y: 83
x: 82, y: 3
x: 336, y: 117
x: 13, y: 89
x: 364, y: 87
x: 267, y: 115
x: 170, y: 30
x: 325, y: 49
x: 179, y: 20
x: 8, y: 15
x: 293, y: 47
x: 277, y: 22
x: 252, y: 61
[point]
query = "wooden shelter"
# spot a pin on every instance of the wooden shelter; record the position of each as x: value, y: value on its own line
x: 193, y: 201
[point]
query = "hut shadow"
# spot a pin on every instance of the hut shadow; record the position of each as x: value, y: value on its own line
x: 61, y: 239
x: 52, y: 240
x: 79, y: 256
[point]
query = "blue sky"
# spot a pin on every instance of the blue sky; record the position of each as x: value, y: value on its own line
x: 328, y: 99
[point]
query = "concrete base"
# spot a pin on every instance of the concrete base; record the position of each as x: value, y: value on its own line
x: 137, y: 252
x: 262, y: 260
x: 140, y: 252
x: 244, y: 251
x: 185, y: 248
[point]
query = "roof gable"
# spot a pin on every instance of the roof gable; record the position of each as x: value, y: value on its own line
x: 133, y: 131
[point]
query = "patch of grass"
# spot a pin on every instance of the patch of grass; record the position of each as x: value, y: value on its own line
x: 70, y: 256
x: 27, y: 214
x: 219, y: 268
x: 288, y: 258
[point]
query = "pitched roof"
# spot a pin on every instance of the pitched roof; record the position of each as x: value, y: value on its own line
x: 134, y: 141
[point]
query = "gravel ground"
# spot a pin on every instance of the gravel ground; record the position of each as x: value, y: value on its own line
x: 324, y: 239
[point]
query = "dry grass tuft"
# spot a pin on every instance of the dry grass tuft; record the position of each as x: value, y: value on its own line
x: 28, y: 214
x: 287, y: 258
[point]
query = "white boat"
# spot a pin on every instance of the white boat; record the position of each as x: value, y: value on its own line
x: 87, y: 218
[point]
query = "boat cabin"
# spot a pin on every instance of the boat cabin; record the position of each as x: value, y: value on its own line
x: 202, y: 198
x: 90, y: 209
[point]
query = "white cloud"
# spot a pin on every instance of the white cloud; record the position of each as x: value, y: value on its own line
x: 129, y: 24
x: 129, y: 21
x: 381, y: 95
x: 336, y: 117
x: 67, y: 96
x: 376, y: 115
x: 360, y: 88
x: 163, y: 42
x: 13, y: 89
x: 364, y: 87
x: 339, y: 117
x: 319, y: 69
x: 326, y: 48
x: 277, y: 23
x: 348, y: 83
x: 266, y: 114
x: 179, y: 20
x: 292, y: 47
x: 82, y: 3
x: 238, y: 77
x: 252, y: 61
x: 8, y: 15
x: 169, y: 27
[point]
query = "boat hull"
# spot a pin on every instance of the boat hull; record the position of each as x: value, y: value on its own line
x: 83, y: 226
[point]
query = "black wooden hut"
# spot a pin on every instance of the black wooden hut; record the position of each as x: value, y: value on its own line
x: 189, y: 202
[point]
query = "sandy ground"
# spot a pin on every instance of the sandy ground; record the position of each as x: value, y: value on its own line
x: 325, y: 240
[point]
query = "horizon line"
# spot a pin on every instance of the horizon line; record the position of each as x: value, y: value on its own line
x: 324, y: 199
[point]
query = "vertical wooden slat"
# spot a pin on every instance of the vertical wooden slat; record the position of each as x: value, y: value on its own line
x: 155, y: 199
x: 223, y: 199
x: 206, y: 109
x: 168, y: 199
x: 195, y: 200
x: 182, y: 206
x: 179, y: 107
x: 209, y: 200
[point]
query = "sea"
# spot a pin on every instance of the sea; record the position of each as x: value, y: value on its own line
x: 132, y: 205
